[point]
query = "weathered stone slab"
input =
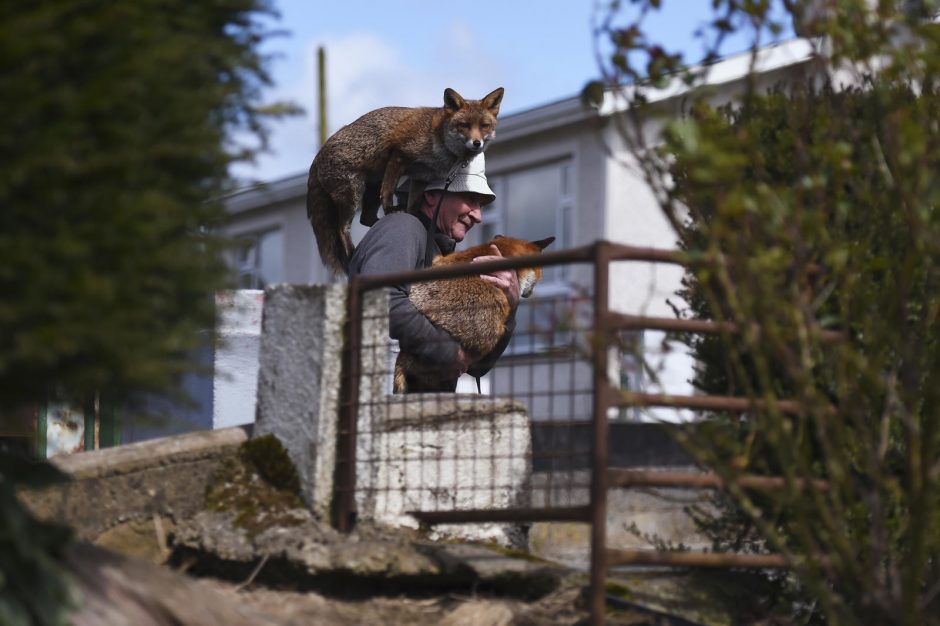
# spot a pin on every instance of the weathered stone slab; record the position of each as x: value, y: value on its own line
x: 444, y: 452
x: 163, y: 477
x: 312, y: 554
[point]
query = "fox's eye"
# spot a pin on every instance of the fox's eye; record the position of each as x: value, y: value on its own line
x: 484, y: 127
x: 463, y: 126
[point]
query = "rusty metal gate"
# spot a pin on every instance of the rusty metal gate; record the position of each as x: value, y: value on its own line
x: 441, y: 459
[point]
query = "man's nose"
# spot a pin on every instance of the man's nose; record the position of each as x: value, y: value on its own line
x: 476, y: 214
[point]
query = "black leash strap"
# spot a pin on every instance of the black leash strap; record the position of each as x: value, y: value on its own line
x: 432, y: 230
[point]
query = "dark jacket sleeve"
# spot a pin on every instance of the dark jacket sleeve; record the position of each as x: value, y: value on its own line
x: 397, y: 244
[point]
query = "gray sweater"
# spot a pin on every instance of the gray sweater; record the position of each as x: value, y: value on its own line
x: 397, y: 243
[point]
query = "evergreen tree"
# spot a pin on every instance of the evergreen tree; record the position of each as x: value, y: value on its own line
x: 112, y: 162
x: 113, y: 159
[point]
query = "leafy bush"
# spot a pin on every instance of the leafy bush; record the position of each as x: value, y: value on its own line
x: 34, y: 588
x: 811, y: 235
x: 807, y: 209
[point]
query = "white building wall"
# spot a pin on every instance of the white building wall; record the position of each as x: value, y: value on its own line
x: 264, y: 209
x: 235, y: 364
x: 633, y: 217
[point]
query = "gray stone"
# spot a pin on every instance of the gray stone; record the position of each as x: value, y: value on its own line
x: 480, y: 613
x: 315, y: 550
x: 311, y: 547
x: 523, y: 576
x: 636, y: 518
x: 163, y: 477
x: 299, y: 379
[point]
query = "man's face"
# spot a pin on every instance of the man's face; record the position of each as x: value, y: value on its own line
x: 459, y: 213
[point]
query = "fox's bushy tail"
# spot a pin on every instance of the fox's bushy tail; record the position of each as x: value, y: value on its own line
x: 329, y: 228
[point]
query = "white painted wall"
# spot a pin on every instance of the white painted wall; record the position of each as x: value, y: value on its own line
x: 236, y: 357
x: 261, y: 209
x: 633, y: 216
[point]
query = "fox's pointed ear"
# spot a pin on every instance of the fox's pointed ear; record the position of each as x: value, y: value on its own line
x: 452, y: 100
x: 498, y: 236
x: 543, y: 243
x: 492, y: 100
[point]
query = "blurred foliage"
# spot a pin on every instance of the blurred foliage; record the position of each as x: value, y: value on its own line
x: 33, y: 588
x: 118, y: 119
x: 115, y: 150
x: 807, y: 208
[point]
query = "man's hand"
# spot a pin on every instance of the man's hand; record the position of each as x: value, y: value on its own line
x: 506, y: 280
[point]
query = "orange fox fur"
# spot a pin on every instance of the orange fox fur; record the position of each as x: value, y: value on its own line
x: 471, y: 310
x: 362, y: 162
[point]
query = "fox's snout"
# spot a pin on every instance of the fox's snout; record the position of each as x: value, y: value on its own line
x: 527, y: 281
x: 475, y: 145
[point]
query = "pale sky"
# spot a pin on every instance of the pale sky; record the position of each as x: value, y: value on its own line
x: 406, y: 52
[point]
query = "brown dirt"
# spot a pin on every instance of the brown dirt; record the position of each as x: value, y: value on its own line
x: 293, y: 608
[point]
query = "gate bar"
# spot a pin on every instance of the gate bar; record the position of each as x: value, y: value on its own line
x: 629, y: 322
x: 599, y: 444
x: 617, y: 397
x: 617, y: 477
x: 584, y: 254
x: 617, y: 558
x: 469, y: 516
x: 344, y: 478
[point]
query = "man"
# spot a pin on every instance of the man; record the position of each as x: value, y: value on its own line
x: 399, y: 243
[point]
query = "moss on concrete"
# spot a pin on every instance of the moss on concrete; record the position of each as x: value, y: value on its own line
x: 259, y: 486
x: 516, y: 553
x: 269, y: 458
x: 619, y: 590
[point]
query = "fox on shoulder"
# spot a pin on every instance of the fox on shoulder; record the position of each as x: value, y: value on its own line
x: 471, y: 310
x: 362, y: 162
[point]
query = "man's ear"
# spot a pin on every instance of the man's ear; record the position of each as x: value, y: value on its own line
x: 431, y: 196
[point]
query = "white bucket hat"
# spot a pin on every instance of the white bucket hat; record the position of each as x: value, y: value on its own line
x: 470, y: 177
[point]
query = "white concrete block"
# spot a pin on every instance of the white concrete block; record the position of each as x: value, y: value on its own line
x: 443, y: 452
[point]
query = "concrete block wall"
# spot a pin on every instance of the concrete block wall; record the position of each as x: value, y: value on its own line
x: 299, y: 379
x: 445, y: 452
x: 162, y: 477
x: 411, y: 450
